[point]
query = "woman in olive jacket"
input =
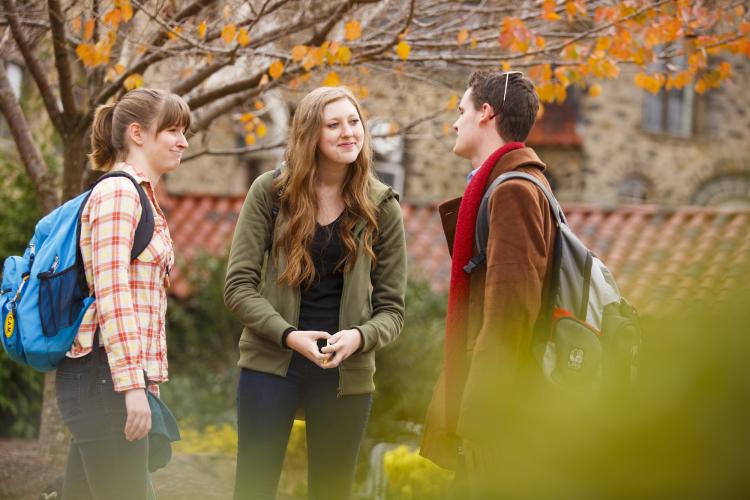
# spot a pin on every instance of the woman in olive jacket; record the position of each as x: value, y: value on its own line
x: 317, y: 276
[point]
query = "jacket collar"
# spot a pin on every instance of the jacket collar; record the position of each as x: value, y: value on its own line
x: 512, y: 160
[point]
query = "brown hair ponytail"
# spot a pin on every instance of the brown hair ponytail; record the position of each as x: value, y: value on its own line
x: 103, y: 152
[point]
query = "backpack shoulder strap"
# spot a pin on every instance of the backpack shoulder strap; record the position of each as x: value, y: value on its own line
x: 482, y: 228
x: 144, y: 231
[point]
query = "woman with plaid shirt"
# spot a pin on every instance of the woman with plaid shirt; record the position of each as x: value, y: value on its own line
x: 120, y: 350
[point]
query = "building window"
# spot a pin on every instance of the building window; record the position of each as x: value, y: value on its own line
x: 670, y: 111
x: 634, y: 188
x: 389, y: 154
x: 729, y: 191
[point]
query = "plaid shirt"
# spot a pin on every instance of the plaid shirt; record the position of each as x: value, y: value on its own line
x: 131, y: 299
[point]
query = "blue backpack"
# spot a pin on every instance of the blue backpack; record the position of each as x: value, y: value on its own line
x: 44, y: 293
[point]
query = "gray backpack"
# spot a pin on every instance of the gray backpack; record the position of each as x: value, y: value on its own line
x: 587, y: 333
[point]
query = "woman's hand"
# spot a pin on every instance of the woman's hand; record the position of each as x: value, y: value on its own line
x: 305, y: 342
x: 138, y: 423
x: 341, y: 345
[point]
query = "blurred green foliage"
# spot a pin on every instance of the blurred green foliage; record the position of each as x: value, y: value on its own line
x: 681, y: 432
x: 21, y: 387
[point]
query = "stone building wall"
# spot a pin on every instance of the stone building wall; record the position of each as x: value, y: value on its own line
x: 676, y: 171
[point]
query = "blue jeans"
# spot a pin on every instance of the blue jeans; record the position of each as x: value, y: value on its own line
x: 266, y: 406
x: 102, y: 464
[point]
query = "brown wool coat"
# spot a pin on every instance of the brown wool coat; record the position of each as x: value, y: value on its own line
x: 504, y: 302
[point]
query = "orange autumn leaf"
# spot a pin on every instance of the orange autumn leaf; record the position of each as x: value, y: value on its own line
x: 276, y: 69
x: 247, y: 117
x: 227, y: 33
x: 402, y: 50
x: 250, y: 139
x: 243, y: 37
x: 595, y: 90
x: 172, y: 34
x: 202, y: 27
x: 352, y: 30
x: 113, y: 18
x: 258, y: 104
x: 331, y: 80
x: 88, y: 29
x: 299, y: 52
x: 548, y: 11
x: 126, y: 10
x: 462, y: 36
x: 76, y: 24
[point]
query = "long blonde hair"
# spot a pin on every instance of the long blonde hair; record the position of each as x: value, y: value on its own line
x: 150, y: 108
x: 298, y: 199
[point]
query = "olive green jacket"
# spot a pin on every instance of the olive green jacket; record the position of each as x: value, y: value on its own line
x: 372, y: 300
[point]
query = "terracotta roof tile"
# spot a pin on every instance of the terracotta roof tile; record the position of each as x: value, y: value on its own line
x: 661, y: 257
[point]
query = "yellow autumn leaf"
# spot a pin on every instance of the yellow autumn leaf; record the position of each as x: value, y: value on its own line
x: 246, y: 117
x: 227, y: 33
x: 561, y: 93
x: 331, y: 80
x: 540, y: 42
x: 202, y: 27
x: 134, y: 81
x: 473, y: 42
x: 299, y: 52
x: 595, y: 90
x: 258, y: 104
x: 352, y: 30
x: 261, y: 130
x: 363, y: 92
x: 452, y: 103
x: 505, y: 66
x: 249, y: 127
x: 462, y: 37
x: 75, y: 24
x: 344, y: 55
x: 119, y: 69
x: 402, y: 50
x: 243, y: 37
x: 446, y: 128
x: 250, y: 139
x: 172, y: 34
x: 276, y: 69
x: 88, y: 29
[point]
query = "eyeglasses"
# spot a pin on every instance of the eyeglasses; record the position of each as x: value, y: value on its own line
x: 505, y: 92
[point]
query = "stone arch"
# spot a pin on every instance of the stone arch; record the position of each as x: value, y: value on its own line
x: 730, y: 190
x: 634, y: 188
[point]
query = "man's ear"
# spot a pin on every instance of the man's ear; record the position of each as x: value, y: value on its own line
x: 487, y: 113
x: 135, y: 133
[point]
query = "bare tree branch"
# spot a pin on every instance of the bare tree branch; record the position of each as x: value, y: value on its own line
x: 234, y: 151
x: 32, y: 63
x: 62, y: 62
x: 27, y: 149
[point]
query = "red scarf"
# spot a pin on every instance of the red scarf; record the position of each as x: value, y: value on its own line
x: 458, y: 296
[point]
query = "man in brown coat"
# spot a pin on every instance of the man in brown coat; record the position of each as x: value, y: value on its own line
x: 491, y: 311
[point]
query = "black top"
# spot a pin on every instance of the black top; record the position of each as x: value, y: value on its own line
x: 321, y: 303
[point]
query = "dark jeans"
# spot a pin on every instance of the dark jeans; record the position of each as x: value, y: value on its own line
x: 266, y: 406
x: 102, y: 464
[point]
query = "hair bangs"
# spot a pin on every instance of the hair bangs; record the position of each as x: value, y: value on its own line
x: 174, y: 112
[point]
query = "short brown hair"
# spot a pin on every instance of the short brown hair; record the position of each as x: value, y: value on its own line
x: 517, y: 115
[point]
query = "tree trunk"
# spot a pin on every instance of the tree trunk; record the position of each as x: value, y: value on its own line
x: 53, y: 435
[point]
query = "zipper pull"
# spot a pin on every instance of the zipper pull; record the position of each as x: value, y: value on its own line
x: 54, y: 264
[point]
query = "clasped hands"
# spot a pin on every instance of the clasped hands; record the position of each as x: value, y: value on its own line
x: 339, y: 346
